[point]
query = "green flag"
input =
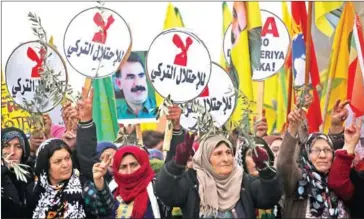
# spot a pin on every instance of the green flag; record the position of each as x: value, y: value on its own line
x: 104, y: 109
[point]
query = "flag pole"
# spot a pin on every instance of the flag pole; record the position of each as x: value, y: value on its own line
x: 308, y: 44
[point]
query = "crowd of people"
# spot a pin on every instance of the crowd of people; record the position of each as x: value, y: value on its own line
x: 294, y: 174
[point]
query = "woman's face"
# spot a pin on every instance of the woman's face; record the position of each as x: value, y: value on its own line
x: 321, y: 155
x: 222, y: 160
x: 60, y: 168
x: 128, y: 165
x: 250, y: 164
x: 14, y: 149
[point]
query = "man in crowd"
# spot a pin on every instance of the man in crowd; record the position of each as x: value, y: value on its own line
x: 132, y: 82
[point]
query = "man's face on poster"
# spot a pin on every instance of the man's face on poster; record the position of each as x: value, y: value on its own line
x: 133, y: 83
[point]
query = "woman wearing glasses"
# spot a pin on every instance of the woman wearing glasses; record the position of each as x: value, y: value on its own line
x: 305, y: 179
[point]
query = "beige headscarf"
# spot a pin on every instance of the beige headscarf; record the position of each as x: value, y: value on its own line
x: 217, y: 193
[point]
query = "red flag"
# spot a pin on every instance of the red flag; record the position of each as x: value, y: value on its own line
x: 355, y: 80
x: 299, y: 14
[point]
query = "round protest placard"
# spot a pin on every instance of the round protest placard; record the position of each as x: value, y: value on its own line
x: 218, y: 99
x: 23, y: 77
x: 96, y: 41
x: 178, y: 64
x: 275, y: 41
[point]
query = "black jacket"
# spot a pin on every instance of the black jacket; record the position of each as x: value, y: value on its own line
x: 13, y: 191
x: 13, y: 194
x: 84, y: 156
x: 178, y: 188
x: 177, y: 138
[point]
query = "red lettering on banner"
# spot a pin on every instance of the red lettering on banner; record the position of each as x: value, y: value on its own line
x: 270, y: 27
x: 32, y: 55
x: 100, y: 37
x: 181, y: 58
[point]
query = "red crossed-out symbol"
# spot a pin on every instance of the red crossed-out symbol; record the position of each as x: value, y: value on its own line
x: 100, y: 37
x: 32, y: 55
x: 181, y: 58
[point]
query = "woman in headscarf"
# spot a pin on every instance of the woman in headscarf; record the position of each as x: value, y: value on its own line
x: 61, y: 192
x: 104, y: 149
x: 135, y: 194
x: 14, y: 149
x: 216, y: 187
x: 307, y: 194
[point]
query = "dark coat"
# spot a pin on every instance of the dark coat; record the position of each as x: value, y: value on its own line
x: 178, y: 188
x: 13, y: 191
x: 177, y: 138
x: 84, y: 156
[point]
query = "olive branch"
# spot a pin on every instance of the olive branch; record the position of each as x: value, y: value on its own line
x: 19, y: 169
x: 50, y: 86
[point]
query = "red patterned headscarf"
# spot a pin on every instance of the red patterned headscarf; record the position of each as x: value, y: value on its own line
x: 133, y: 187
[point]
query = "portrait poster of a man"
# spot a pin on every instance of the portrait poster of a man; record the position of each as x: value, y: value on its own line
x: 135, y: 96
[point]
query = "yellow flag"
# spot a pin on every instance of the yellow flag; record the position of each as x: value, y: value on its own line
x: 247, y: 19
x: 179, y: 18
x: 173, y: 19
x: 287, y: 18
x: 51, y: 42
x: 339, y: 62
x: 321, y: 10
x: 226, y: 21
x: 282, y: 82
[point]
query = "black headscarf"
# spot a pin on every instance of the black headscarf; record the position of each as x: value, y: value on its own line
x: 62, y: 200
x: 9, y: 134
x: 313, y: 184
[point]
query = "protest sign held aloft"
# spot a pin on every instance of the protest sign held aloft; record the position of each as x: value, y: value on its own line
x: 178, y: 64
x: 275, y: 43
x: 219, y: 100
x: 96, y: 41
x: 23, y: 73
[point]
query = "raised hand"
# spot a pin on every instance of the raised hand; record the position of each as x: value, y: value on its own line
x: 338, y: 116
x: 352, y: 135
x: 174, y: 115
x: 70, y: 138
x: 99, y: 171
x: 70, y: 116
x: 85, y: 105
x: 184, y: 150
x: 47, y: 125
x: 261, y: 125
x: 35, y: 142
x: 295, y: 118
x: 260, y: 157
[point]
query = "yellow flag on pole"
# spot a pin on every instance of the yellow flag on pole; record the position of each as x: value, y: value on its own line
x: 336, y: 87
